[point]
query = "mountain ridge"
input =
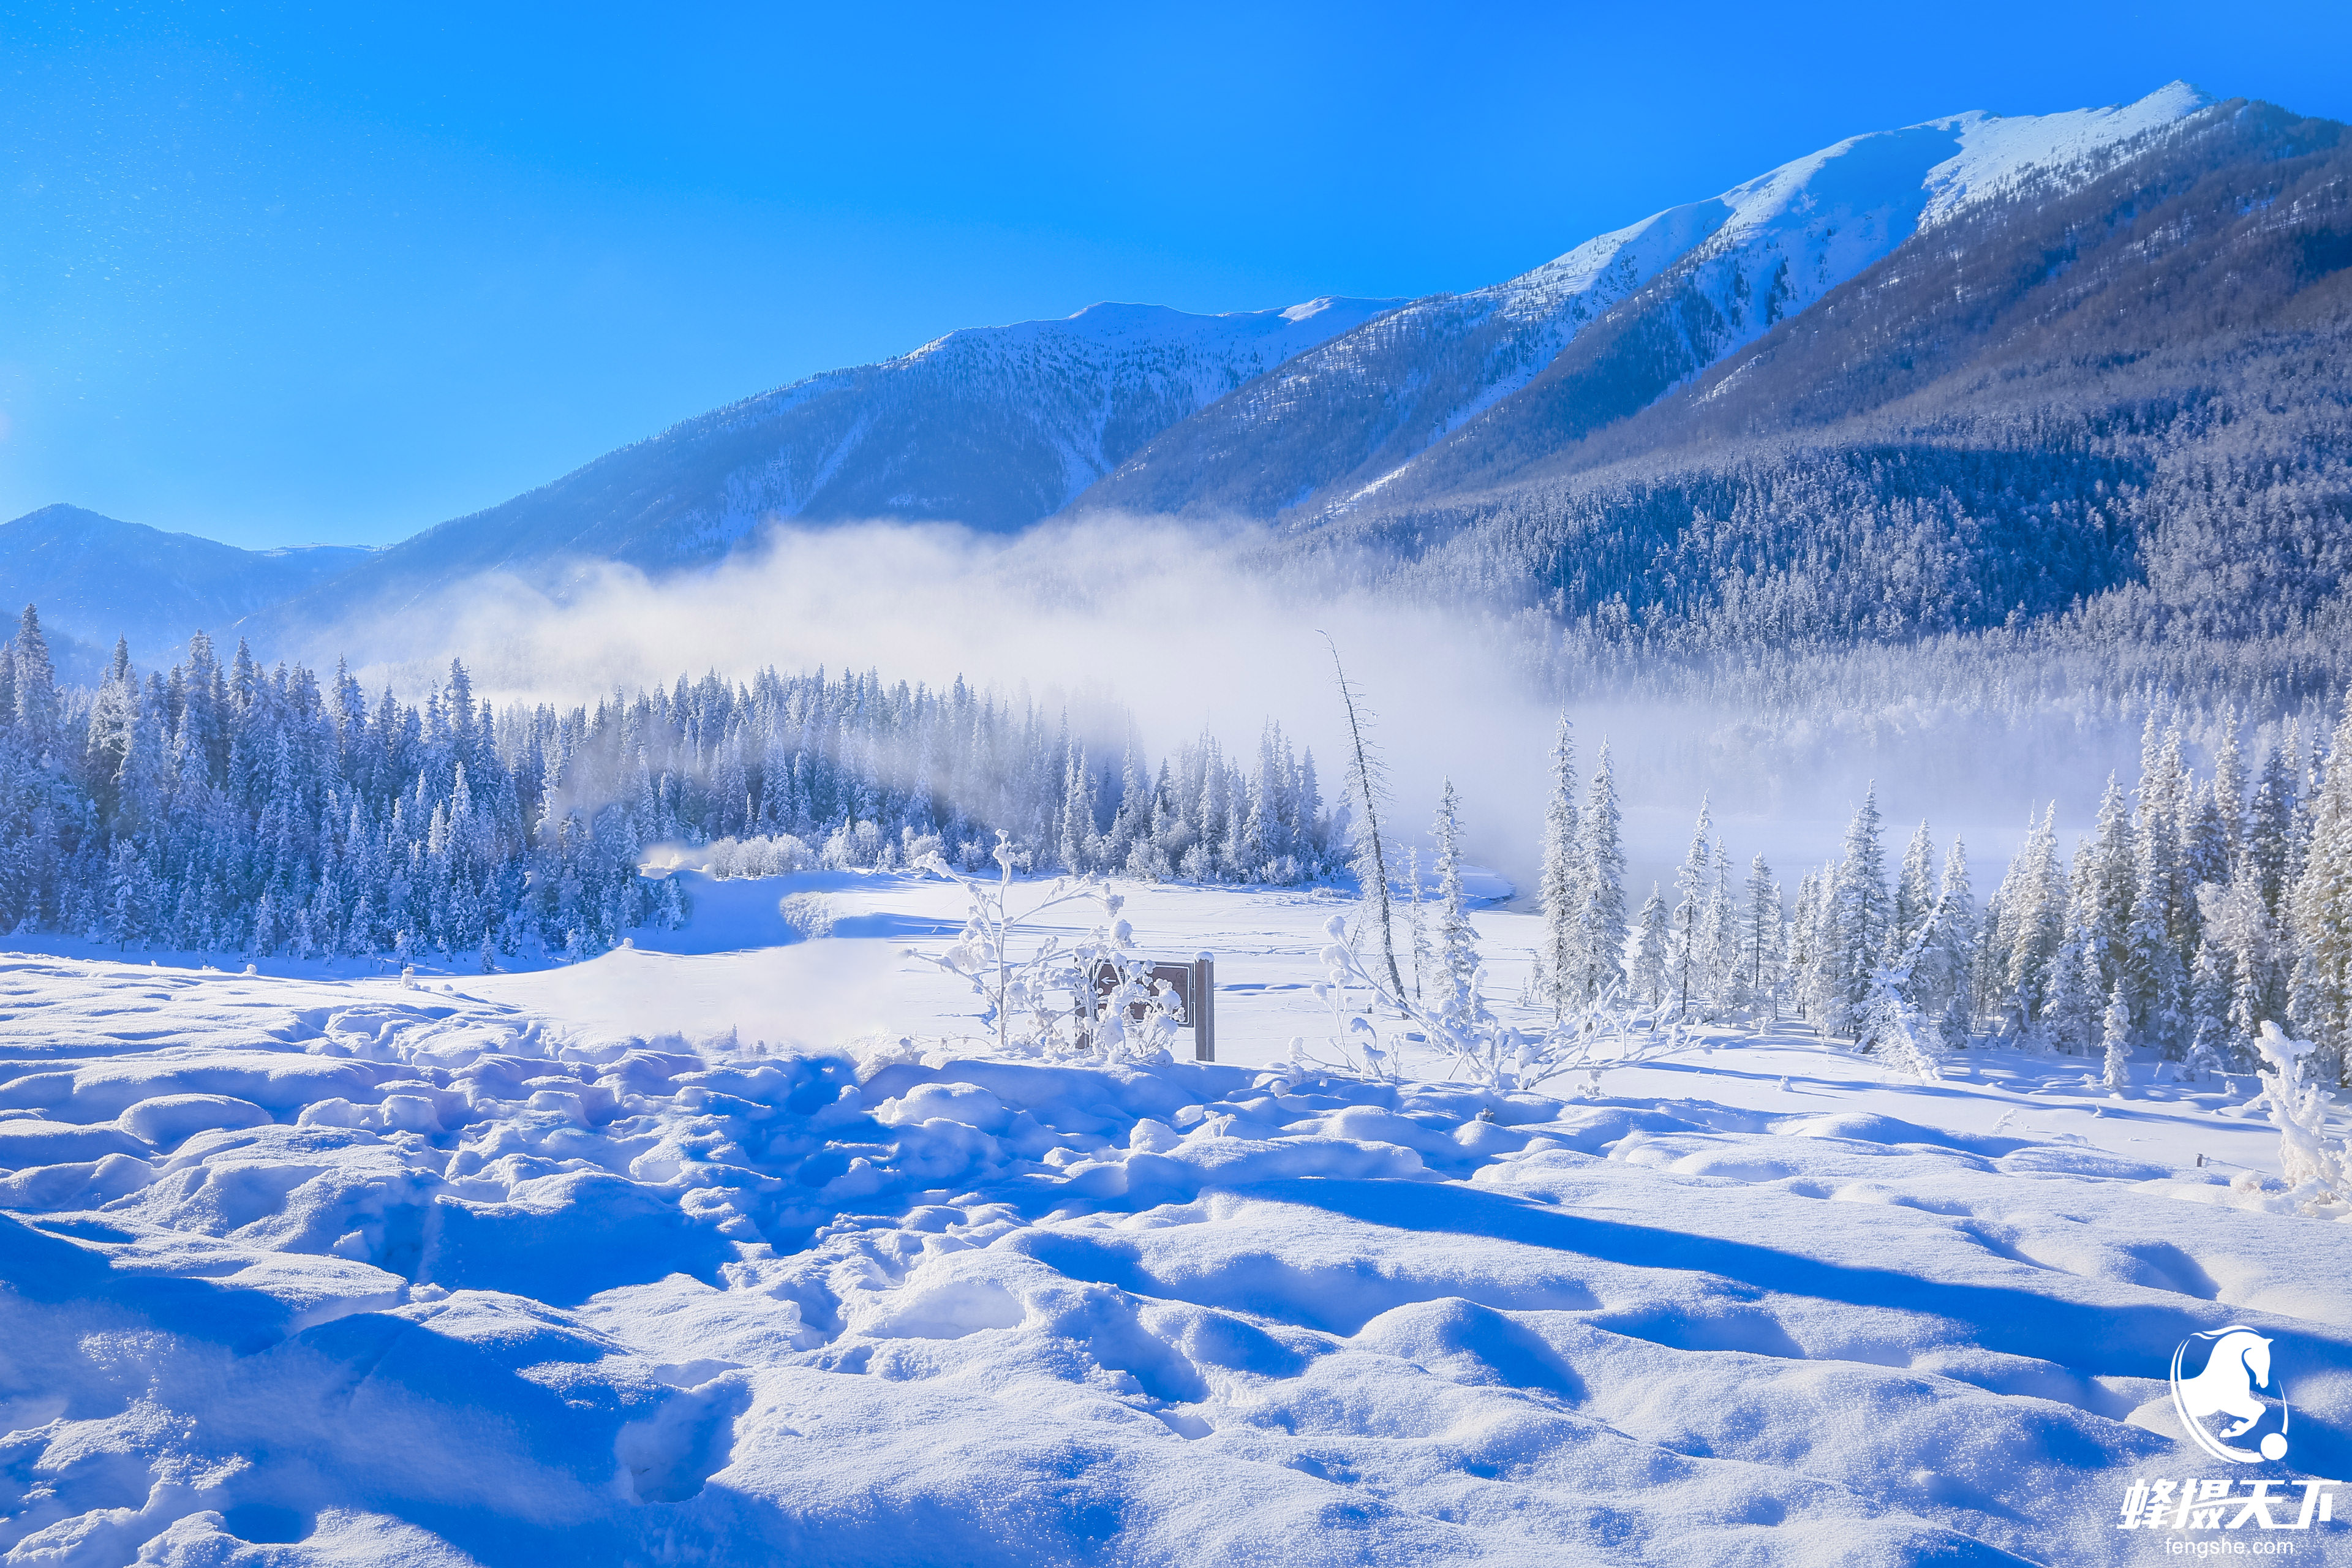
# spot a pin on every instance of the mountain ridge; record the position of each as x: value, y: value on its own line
x: 97, y: 578
x: 1844, y: 208
x: 1754, y: 323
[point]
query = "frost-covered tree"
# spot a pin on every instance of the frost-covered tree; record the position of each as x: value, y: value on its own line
x: 1685, y: 938
x: 1561, y: 966
x: 2034, y: 899
x: 1862, y: 919
x: 2271, y: 820
x: 1727, y: 987
x: 1914, y: 887
x: 2153, y: 980
x: 1367, y: 792
x: 1760, y: 940
x: 1953, y: 959
x: 1603, y: 879
x: 1652, y: 943
x: 1417, y: 920
x: 2320, y: 916
x: 2116, y: 1034
x: 2209, y: 1010
x: 1456, y: 944
x: 2105, y: 880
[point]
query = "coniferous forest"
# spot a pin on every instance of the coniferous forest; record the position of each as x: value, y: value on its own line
x: 221, y: 807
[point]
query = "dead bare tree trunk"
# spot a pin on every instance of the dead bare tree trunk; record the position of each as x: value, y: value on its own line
x: 1365, y: 780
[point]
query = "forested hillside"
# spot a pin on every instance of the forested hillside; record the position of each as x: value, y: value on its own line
x: 2114, y: 426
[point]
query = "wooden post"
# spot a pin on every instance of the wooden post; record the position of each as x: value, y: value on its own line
x: 1202, y: 1006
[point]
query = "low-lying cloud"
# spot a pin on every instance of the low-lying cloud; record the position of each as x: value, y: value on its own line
x: 1188, y: 628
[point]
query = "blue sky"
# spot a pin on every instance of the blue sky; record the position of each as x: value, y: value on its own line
x: 289, y: 274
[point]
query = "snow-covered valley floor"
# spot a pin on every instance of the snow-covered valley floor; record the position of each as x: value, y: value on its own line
x: 636, y: 1261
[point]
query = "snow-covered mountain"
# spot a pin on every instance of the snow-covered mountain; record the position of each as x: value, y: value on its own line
x: 1344, y: 422
x: 992, y: 426
x: 2123, y: 397
x: 1404, y: 426
x: 96, y: 578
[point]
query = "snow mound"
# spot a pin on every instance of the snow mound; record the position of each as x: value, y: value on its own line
x: 421, y: 1281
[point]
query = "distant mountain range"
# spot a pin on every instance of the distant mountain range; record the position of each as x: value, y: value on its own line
x: 1888, y: 338
x: 97, y: 579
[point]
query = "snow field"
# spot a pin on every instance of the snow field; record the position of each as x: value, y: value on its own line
x: 325, y: 1270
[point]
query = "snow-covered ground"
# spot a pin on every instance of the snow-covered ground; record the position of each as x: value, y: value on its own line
x: 737, y: 1251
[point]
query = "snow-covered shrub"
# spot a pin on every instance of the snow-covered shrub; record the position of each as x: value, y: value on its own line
x: 1463, y: 1030
x: 855, y: 845
x: 809, y: 915
x: 1095, y: 995
x: 2313, y: 1160
x: 779, y: 856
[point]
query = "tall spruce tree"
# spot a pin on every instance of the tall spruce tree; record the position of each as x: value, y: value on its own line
x: 1685, y: 949
x: 1457, y: 942
x: 1603, y: 879
x: 1561, y: 967
x: 1760, y: 940
x: 1863, y: 918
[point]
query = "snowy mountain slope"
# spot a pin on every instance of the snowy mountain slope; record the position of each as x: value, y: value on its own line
x: 2129, y: 395
x: 316, y: 1270
x: 1345, y: 422
x: 993, y: 427
x: 1364, y: 404
x: 96, y: 579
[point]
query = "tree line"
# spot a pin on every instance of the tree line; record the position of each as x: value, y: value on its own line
x: 221, y: 807
x: 2199, y: 907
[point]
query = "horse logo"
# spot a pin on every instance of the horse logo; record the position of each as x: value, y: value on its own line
x: 2237, y: 1362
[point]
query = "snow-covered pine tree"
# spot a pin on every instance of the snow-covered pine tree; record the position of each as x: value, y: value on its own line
x: 2115, y: 1033
x: 1604, y: 945
x: 1457, y: 944
x: 2153, y: 980
x: 1799, y: 944
x: 1760, y: 940
x: 1727, y: 987
x: 1685, y: 949
x: 1915, y: 888
x: 1417, y: 920
x: 2034, y: 899
x: 2209, y: 1011
x: 2228, y: 794
x: 2270, y: 822
x: 1652, y: 943
x: 2070, y: 1016
x: 1863, y: 918
x: 1957, y: 947
x: 37, y: 702
x: 1077, y: 817
x: 2105, y: 877
x: 2320, y: 917
x: 1561, y: 966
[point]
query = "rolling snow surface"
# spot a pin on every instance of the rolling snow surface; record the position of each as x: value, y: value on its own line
x: 670, y: 1257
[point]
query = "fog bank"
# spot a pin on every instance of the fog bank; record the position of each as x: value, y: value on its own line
x: 1187, y: 628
